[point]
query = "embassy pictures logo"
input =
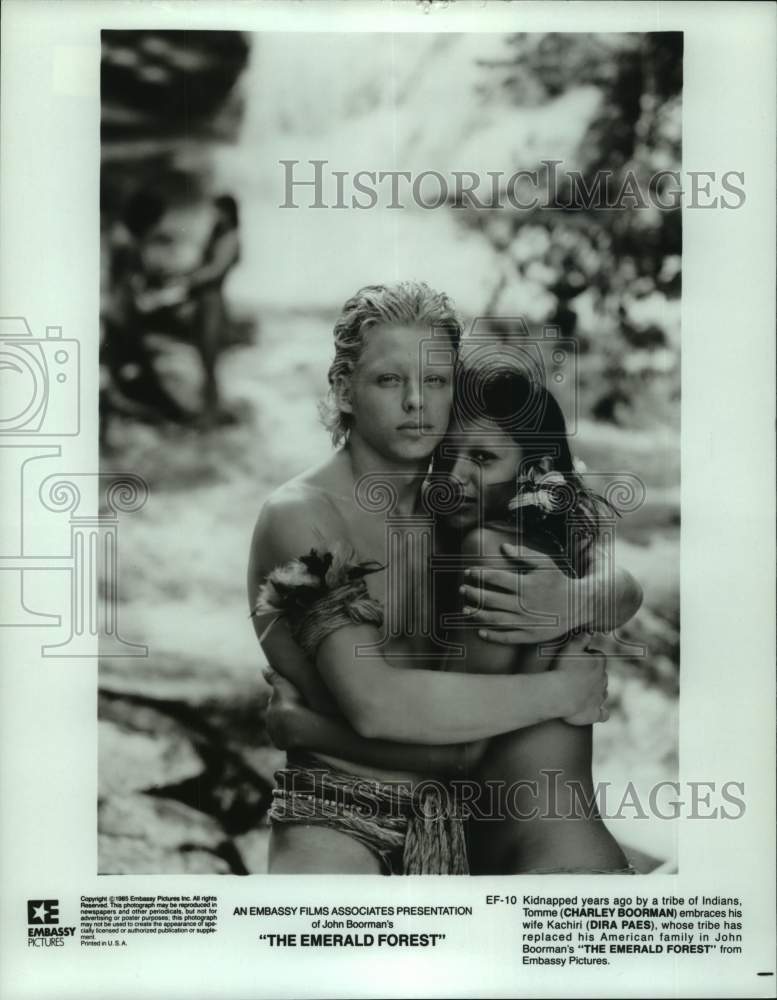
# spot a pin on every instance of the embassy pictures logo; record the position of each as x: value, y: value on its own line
x: 43, y: 911
x: 43, y: 920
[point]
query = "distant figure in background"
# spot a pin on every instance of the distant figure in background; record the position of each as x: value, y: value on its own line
x: 152, y: 293
x: 129, y: 383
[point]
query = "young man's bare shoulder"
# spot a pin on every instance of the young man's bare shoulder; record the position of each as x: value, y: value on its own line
x: 298, y: 503
x: 298, y: 516
x: 281, y: 532
x: 298, y: 494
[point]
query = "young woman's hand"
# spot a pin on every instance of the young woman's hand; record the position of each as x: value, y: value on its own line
x: 584, y: 670
x: 284, y: 711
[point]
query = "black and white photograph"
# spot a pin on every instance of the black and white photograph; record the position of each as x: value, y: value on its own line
x: 387, y: 418
x: 420, y: 372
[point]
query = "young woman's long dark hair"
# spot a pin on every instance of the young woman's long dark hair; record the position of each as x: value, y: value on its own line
x: 551, y: 508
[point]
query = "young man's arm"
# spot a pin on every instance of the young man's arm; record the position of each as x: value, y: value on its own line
x: 536, y: 602
x: 273, y: 538
x: 292, y: 725
x: 382, y: 701
x: 302, y: 714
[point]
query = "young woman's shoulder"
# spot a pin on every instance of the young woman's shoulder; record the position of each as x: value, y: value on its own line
x: 486, y: 541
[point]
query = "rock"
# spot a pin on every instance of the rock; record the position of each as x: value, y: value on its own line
x: 128, y: 856
x: 204, y: 757
x: 141, y: 834
x: 202, y: 863
x: 160, y: 824
x: 265, y: 761
x: 138, y: 713
x: 132, y: 761
x: 188, y: 679
x: 253, y: 849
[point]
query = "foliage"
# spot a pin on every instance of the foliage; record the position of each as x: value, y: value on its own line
x: 608, y: 276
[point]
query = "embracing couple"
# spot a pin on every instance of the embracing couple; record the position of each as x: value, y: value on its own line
x: 434, y: 689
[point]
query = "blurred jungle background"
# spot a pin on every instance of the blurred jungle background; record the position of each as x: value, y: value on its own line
x: 217, y: 311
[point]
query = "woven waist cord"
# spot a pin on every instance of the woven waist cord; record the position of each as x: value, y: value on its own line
x: 434, y: 842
